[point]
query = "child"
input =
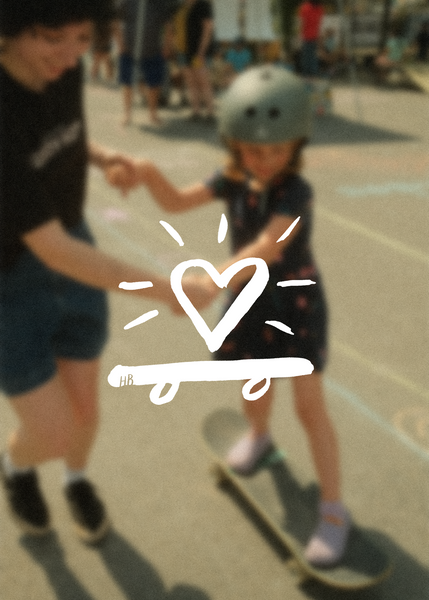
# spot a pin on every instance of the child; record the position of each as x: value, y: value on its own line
x: 53, y: 311
x: 265, y: 119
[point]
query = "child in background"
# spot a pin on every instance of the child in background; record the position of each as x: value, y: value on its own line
x: 265, y: 120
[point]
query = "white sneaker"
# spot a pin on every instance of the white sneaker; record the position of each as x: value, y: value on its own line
x: 328, y: 543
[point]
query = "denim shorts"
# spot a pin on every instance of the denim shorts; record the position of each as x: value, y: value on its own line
x: 152, y: 70
x: 45, y: 316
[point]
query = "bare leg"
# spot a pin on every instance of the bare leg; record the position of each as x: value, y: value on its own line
x: 205, y: 89
x: 44, y: 431
x: 193, y: 92
x: 258, y: 412
x: 246, y: 453
x: 80, y: 379
x: 311, y: 410
x: 152, y: 95
x: 128, y: 100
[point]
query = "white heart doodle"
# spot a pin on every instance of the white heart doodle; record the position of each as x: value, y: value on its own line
x: 236, y: 311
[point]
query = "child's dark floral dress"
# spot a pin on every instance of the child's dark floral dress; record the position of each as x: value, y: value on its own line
x: 302, y: 308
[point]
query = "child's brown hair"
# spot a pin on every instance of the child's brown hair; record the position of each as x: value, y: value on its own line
x: 234, y: 168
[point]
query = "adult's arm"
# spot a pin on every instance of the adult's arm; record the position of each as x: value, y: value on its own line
x: 80, y: 261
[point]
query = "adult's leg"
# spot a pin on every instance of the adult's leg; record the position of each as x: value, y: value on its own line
x: 152, y: 96
x: 44, y: 428
x: 128, y: 102
x: 193, y: 92
x: 80, y: 380
x: 205, y: 89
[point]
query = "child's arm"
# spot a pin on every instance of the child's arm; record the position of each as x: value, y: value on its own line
x: 265, y: 246
x: 168, y: 196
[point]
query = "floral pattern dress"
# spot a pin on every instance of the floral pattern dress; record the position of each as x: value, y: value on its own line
x: 302, y: 308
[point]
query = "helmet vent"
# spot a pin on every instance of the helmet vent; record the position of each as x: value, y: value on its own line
x: 274, y: 113
x: 251, y: 112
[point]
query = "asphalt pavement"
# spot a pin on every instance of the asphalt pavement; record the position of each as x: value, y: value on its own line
x: 177, y: 536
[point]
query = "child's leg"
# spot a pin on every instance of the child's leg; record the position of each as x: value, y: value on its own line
x: 258, y: 412
x: 328, y: 542
x: 311, y: 410
x: 246, y: 453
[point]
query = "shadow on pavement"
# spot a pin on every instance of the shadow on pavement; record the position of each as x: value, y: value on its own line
x: 48, y: 552
x: 332, y: 129
x: 409, y: 579
x: 133, y: 574
x: 181, y: 128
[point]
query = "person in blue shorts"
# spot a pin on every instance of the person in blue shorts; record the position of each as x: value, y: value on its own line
x: 53, y: 310
x: 156, y: 44
x: 265, y: 121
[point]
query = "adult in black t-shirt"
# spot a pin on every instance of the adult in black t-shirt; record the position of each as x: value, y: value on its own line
x: 52, y: 279
x: 199, y: 40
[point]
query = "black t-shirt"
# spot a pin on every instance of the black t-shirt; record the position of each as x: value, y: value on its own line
x: 43, y: 158
x: 200, y: 11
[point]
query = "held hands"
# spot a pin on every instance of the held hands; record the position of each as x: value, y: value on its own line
x: 127, y: 174
x: 201, y: 291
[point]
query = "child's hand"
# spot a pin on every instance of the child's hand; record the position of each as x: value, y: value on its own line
x: 201, y: 291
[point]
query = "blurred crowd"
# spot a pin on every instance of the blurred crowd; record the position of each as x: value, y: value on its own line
x: 181, y: 55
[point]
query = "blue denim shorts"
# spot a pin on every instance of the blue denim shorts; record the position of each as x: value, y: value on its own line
x: 45, y: 316
x: 152, y: 70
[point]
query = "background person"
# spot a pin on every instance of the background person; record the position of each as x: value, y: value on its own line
x: 422, y: 42
x: 310, y: 14
x: 157, y: 40
x: 102, y: 52
x: 199, y: 40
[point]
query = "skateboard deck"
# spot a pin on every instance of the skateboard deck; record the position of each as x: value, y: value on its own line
x: 289, y: 510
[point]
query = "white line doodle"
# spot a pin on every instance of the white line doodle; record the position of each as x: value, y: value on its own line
x: 289, y: 230
x: 135, y: 285
x: 223, y: 228
x: 254, y: 370
x: 280, y: 326
x: 174, y: 234
x: 237, y: 310
x: 146, y: 317
x: 295, y: 282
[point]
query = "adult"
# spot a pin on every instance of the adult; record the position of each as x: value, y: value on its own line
x: 156, y: 46
x: 53, y: 311
x: 391, y: 58
x: 199, y: 43
x: 102, y: 52
x: 310, y: 13
x: 422, y: 42
x: 238, y: 56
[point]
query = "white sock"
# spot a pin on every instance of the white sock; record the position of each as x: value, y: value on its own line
x: 72, y: 475
x: 11, y: 469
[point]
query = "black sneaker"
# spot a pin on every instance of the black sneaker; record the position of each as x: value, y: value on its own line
x: 88, y: 512
x: 25, y: 502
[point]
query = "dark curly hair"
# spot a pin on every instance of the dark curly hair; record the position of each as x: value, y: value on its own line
x: 18, y: 15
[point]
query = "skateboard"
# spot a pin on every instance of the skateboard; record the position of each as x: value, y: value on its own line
x: 289, y: 510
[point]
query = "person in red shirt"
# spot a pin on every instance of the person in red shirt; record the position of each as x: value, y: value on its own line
x: 310, y: 14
